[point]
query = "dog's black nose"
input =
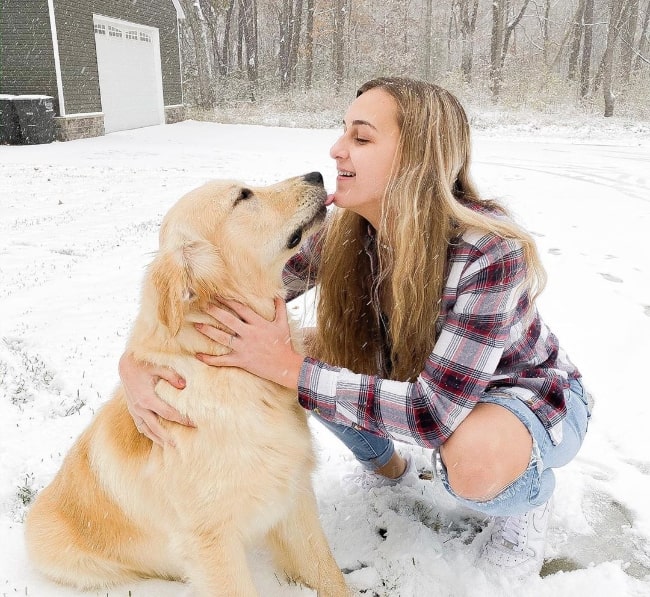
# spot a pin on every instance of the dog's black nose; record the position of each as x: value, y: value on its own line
x: 314, y: 178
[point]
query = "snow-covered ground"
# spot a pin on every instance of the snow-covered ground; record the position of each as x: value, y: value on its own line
x: 78, y: 223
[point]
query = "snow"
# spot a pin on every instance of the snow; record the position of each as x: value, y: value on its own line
x: 79, y: 223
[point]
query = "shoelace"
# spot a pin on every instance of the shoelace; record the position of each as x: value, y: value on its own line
x: 513, y: 529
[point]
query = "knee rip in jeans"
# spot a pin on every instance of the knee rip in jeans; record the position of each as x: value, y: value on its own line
x: 534, y: 462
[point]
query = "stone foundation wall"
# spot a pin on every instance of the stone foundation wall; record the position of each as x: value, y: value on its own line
x: 79, y: 126
x: 176, y: 113
x: 82, y: 126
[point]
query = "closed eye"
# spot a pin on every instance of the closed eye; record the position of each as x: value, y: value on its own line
x: 243, y: 195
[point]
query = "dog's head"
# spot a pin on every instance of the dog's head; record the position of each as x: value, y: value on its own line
x: 230, y: 240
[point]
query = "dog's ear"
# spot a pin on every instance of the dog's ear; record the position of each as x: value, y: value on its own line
x: 182, y: 274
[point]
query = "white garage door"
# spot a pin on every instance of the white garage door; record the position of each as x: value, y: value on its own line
x: 130, y: 77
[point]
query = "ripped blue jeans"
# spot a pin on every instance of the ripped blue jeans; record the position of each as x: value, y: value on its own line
x: 533, y: 487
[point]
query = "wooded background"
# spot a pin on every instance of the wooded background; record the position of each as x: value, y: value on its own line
x: 541, y: 55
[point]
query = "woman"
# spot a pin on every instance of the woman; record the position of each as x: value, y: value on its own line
x: 427, y: 326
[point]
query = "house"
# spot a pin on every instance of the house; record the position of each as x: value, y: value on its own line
x: 109, y: 65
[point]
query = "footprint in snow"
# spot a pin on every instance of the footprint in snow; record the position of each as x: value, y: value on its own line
x: 612, y: 539
x: 611, y: 278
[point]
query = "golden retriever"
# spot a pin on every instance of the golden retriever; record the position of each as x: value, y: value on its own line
x: 123, y: 508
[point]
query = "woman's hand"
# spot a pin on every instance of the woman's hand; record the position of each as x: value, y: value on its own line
x: 259, y: 346
x: 139, y: 380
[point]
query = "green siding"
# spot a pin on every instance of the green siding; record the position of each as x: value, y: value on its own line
x: 26, y: 54
x: 27, y: 60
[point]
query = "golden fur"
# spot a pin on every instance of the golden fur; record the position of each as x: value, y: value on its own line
x: 122, y: 508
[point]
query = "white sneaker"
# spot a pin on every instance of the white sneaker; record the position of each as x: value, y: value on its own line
x: 366, y: 480
x: 516, y: 545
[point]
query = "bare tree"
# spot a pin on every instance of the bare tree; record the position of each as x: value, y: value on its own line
x: 248, y: 33
x: 544, y: 22
x: 224, y: 66
x: 577, y: 31
x: 466, y: 12
x: 204, y: 87
x: 496, y: 43
x: 331, y: 42
x: 607, y: 64
x: 502, y: 29
x: 642, y: 54
x: 338, y: 42
x: 290, y: 21
x: 296, y: 27
x: 587, y: 44
x: 629, y: 21
x: 427, y: 8
x: 309, y: 45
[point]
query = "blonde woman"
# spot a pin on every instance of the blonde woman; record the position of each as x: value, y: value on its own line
x: 427, y: 331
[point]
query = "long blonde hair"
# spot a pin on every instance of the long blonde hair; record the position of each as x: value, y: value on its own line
x: 427, y: 203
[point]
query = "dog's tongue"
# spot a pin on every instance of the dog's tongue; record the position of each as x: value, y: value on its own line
x: 329, y: 200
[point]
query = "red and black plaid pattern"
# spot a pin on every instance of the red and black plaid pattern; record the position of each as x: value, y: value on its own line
x: 488, y: 341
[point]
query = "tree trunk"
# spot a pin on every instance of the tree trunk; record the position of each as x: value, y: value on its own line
x: 644, y: 41
x: 284, y: 17
x: 249, y: 29
x: 500, y: 40
x: 338, y: 53
x: 205, y: 88
x: 615, y: 13
x: 290, y: 19
x: 309, y: 45
x: 509, y: 30
x: 576, y: 38
x: 468, y: 11
x: 224, y: 65
x: 240, y: 36
x: 496, y: 44
x: 296, y: 30
x: 628, y: 33
x: 587, y: 45
x: 427, y: 7
x: 545, y: 30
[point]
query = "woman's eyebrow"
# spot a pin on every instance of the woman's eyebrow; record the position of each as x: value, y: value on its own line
x: 360, y: 122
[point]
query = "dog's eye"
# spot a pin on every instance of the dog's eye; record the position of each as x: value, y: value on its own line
x: 243, y: 195
x: 294, y: 239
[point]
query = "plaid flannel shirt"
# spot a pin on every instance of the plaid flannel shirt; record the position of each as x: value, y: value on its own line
x: 488, y: 341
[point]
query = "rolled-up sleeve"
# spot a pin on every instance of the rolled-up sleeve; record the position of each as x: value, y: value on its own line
x: 486, y: 277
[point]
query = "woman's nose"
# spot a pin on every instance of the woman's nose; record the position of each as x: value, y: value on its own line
x: 337, y: 150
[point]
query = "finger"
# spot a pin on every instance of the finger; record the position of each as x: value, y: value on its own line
x: 145, y: 430
x: 225, y: 360
x: 169, y: 375
x: 152, y: 428
x: 246, y: 314
x: 244, y: 311
x: 215, y: 334
x: 230, y: 320
x: 169, y: 413
x: 281, y: 311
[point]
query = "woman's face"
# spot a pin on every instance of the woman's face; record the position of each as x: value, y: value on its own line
x: 364, y: 153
